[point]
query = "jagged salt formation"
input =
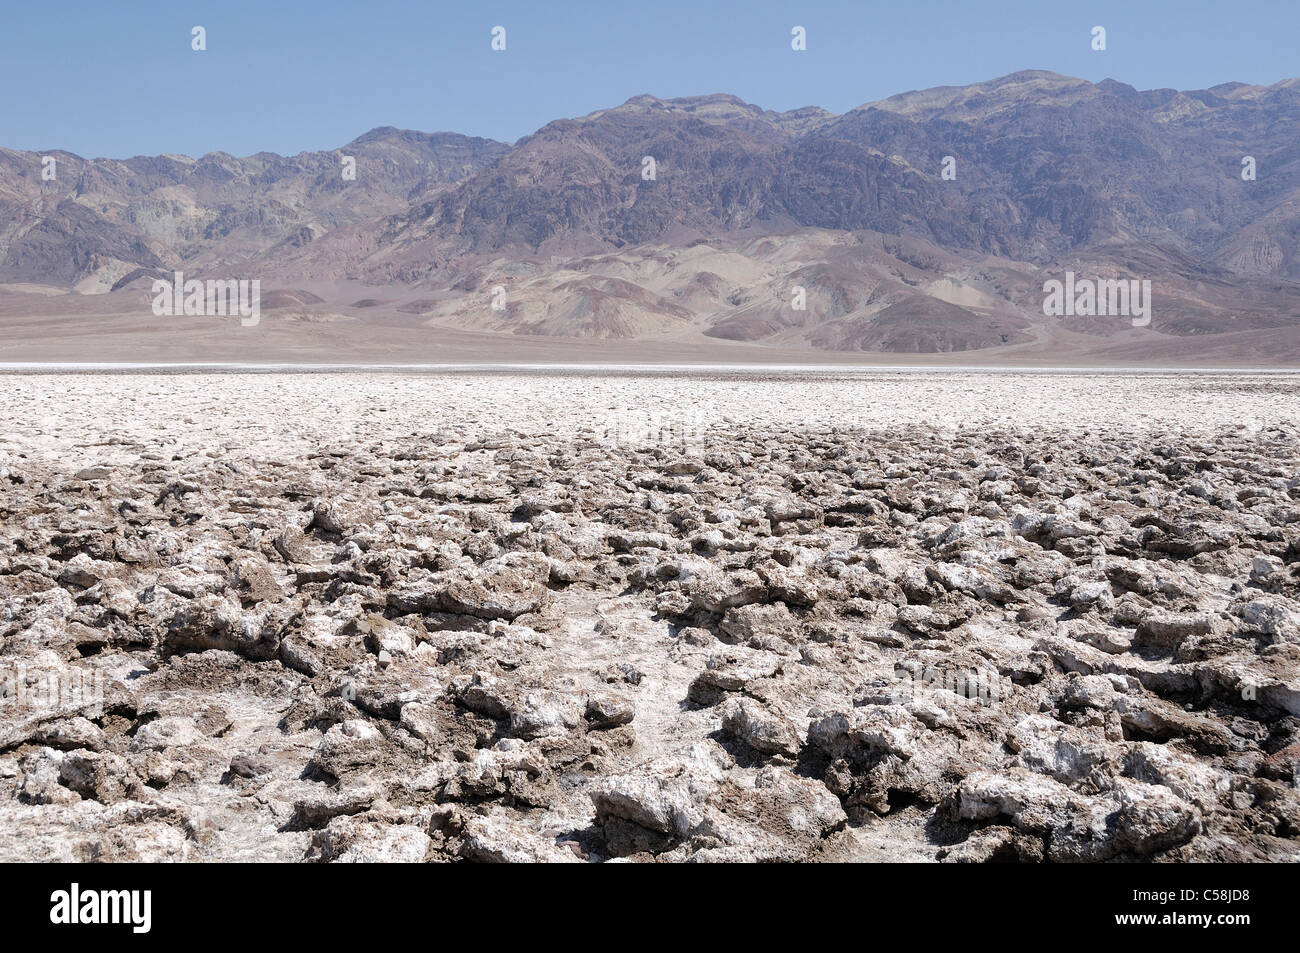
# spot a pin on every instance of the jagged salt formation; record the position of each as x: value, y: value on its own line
x: 471, y: 625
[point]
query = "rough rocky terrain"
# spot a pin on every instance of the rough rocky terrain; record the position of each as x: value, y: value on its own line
x: 709, y: 617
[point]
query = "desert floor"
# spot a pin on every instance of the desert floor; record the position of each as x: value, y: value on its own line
x: 690, y: 615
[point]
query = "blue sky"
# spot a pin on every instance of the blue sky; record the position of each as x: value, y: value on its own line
x: 120, y: 79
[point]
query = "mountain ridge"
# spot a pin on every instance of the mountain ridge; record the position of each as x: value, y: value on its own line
x: 1050, y: 173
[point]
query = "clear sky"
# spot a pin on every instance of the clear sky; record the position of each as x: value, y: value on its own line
x: 103, y: 78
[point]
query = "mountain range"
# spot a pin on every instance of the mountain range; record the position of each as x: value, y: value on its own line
x: 926, y: 223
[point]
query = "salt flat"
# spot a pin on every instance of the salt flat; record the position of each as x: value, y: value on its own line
x: 290, y: 411
x: 676, y: 615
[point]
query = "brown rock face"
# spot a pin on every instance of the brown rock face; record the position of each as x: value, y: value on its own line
x: 569, y: 233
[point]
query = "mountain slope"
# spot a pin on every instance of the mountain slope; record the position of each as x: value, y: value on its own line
x: 710, y: 216
x: 104, y: 218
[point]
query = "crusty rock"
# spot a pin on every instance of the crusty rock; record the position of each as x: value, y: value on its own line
x: 459, y: 623
x: 762, y: 730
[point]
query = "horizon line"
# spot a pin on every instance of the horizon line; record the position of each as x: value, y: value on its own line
x: 675, y: 99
